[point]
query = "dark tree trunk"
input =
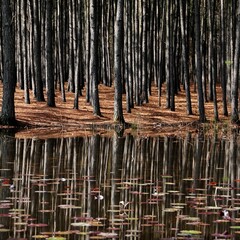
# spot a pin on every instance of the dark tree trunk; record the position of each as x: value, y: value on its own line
x: 234, y: 85
x: 118, y: 47
x: 212, y: 58
x: 37, y: 53
x: 198, y: 59
x: 185, y: 60
x: 94, y: 58
x: 223, y: 59
x: 9, y: 70
x: 49, y: 55
x: 24, y: 50
x: 144, y: 93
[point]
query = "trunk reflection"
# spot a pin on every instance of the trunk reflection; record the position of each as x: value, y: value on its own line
x: 119, y: 187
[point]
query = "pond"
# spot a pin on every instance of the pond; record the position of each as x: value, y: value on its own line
x: 111, y: 187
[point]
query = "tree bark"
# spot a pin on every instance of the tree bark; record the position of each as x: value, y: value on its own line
x: 118, y: 47
x: 94, y: 58
x: 198, y: 59
x: 37, y: 52
x: 223, y: 59
x: 24, y: 50
x: 234, y: 85
x: 185, y: 61
x: 9, y: 70
x: 49, y: 55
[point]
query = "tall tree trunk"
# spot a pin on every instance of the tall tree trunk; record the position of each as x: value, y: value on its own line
x: 198, y: 58
x: 60, y: 41
x: 185, y: 60
x: 127, y: 71
x: 118, y: 47
x: 24, y: 49
x: 9, y: 70
x: 94, y: 58
x: 87, y: 50
x: 234, y: 85
x: 77, y: 55
x: 49, y: 55
x: 71, y: 48
x: 223, y: 59
x: 212, y: 57
x: 37, y: 52
x: 144, y: 93
x: 171, y: 58
x: 167, y: 56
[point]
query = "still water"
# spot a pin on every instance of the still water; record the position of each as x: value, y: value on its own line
x: 131, y: 187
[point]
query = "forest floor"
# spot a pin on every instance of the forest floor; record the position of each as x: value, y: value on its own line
x: 41, y: 121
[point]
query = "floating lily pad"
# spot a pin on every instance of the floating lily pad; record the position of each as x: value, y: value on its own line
x: 235, y: 227
x: 108, y: 235
x: 188, y: 179
x: 40, y: 236
x: 213, y: 207
x: 171, y: 210
x: 80, y: 224
x: 194, y: 219
x: 37, y: 225
x: 56, y: 238
x: 191, y: 232
x: 2, y: 230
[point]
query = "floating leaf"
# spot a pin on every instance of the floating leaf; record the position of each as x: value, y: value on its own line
x: 194, y: 219
x: 40, y: 236
x: 80, y: 224
x: 171, y: 210
x: 2, y: 230
x: 37, y: 225
x: 235, y: 227
x: 56, y: 238
x: 188, y: 179
x: 167, y: 176
x: 108, y: 235
x: 213, y: 207
x: 191, y: 232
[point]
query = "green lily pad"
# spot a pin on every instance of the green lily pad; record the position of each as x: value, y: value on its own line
x: 56, y: 238
x: 191, y: 232
x: 235, y: 227
x: 80, y: 224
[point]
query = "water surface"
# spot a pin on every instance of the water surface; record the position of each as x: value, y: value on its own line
x: 172, y: 188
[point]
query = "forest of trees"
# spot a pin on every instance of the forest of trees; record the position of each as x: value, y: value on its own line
x: 129, y: 45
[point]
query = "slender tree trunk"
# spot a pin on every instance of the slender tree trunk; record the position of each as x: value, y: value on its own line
x: 234, y: 86
x: 167, y: 56
x: 212, y: 58
x: 37, y: 52
x: 59, y: 37
x: 126, y: 57
x: 71, y: 48
x: 185, y: 61
x: 198, y: 58
x: 87, y: 50
x: 77, y: 57
x: 118, y: 47
x: 94, y: 58
x: 9, y: 70
x: 24, y: 50
x: 171, y: 58
x: 49, y: 55
x: 223, y: 59
x: 144, y: 93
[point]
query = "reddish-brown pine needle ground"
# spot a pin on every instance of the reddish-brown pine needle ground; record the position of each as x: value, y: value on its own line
x: 148, y: 119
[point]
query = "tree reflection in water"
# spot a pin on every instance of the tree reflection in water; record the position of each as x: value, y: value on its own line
x: 119, y: 187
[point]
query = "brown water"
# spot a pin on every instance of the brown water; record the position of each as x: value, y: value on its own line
x: 174, y: 187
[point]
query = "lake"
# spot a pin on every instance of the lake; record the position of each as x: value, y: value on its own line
x: 112, y: 187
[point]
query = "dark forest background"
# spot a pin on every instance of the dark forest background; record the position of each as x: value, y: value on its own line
x: 129, y: 45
